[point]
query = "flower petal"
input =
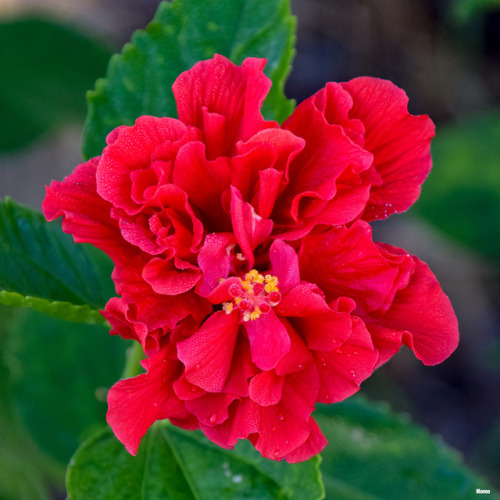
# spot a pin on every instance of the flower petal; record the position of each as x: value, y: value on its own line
x: 266, y: 388
x: 165, y: 279
x: 284, y: 427
x: 214, y: 260
x: 211, y: 409
x: 344, y: 262
x: 399, y: 141
x: 135, y: 404
x: 204, y: 181
x: 221, y: 87
x: 249, y: 228
x: 208, y: 353
x: 285, y: 265
x: 86, y: 214
x: 269, y: 340
x: 343, y: 369
x: 311, y: 447
x: 135, y: 148
x: 424, y: 315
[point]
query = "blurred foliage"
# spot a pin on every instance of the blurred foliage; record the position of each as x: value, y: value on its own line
x: 462, y: 193
x: 464, y: 9
x: 373, y: 453
x: 60, y: 375
x: 54, y: 377
x: 46, y: 69
x: 25, y: 471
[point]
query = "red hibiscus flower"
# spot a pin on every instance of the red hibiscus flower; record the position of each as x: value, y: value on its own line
x: 244, y: 260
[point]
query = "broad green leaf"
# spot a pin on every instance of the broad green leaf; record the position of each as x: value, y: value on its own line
x: 39, y: 265
x: 45, y: 70
x: 60, y: 373
x: 374, y: 454
x: 462, y: 194
x: 183, y: 32
x: 182, y: 465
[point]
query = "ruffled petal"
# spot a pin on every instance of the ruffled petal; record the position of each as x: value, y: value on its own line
x: 266, y: 388
x: 344, y: 262
x: 233, y: 92
x: 344, y: 368
x: 268, y: 150
x: 211, y: 409
x: 285, y: 265
x: 208, y: 353
x: 249, y: 228
x: 86, y: 214
x: 331, y: 165
x: 204, y: 181
x: 311, y: 447
x: 135, y: 404
x: 285, y: 426
x: 214, y: 260
x: 325, y: 330
x: 166, y: 279
x: 399, y: 141
x: 150, y: 317
x: 135, y: 148
x: 424, y: 316
x: 269, y: 340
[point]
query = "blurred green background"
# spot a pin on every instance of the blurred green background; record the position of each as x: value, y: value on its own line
x: 445, y: 54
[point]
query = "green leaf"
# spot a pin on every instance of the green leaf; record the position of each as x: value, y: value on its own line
x: 45, y: 70
x: 139, y: 81
x: 40, y: 265
x: 60, y: 373
x: 181, y: 465
x: 462, y: 194
x: 374, y: 454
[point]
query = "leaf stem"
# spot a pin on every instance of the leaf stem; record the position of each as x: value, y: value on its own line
x: 133, y: 358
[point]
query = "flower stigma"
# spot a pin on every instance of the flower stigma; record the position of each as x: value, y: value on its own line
x: 254, y: 295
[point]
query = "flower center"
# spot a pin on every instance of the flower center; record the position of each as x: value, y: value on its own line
x: 253, y: 296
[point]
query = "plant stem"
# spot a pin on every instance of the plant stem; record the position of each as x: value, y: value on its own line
x: 133, y: 359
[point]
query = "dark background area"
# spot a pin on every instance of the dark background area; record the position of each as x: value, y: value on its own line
x: 446, y: 55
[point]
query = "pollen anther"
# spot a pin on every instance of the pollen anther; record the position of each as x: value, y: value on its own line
x: 254, y: 295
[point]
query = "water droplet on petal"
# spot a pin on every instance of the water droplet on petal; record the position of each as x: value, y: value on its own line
x: 299, y: 367
x: 339, y: 350
x: 323, y: 360
x: 281, y: 416
x: 356, y: 353
x: 197, y: 367
x: 353, y: 373
x: 273, y: 428
x: 213, y: 418
x: 276, y: 453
